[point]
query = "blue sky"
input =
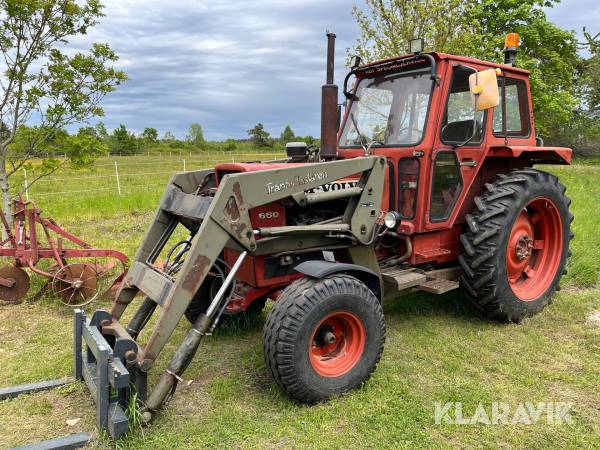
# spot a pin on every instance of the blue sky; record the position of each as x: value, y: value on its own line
x: 230, y: 64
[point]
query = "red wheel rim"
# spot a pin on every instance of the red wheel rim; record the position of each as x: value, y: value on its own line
x: 534, y: 249
x: 337, y: 344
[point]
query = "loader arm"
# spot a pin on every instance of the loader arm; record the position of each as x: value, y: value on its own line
x: 216, y: 218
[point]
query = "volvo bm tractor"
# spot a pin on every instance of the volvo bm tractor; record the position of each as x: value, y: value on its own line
x: 426, y: 183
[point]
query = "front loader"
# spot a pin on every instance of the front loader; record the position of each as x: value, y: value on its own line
x: 427, y: 184
x: 217, y: 218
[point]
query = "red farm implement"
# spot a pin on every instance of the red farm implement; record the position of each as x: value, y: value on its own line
x: 77, y: 276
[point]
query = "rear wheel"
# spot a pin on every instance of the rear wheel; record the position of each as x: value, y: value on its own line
x: 324, y: 337
x: 517, y: 244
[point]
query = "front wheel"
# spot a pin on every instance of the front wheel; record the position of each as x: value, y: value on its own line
x: 517, y: 244
x: 323, y: 337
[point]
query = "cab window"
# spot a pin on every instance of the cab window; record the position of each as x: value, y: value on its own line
x: 517, y: 117
x: 461, y: 123
x: 445, y: 187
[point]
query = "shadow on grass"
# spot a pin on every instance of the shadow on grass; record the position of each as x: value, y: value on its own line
x: 453, y: 304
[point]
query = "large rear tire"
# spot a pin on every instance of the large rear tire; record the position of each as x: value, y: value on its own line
x: 516, y: 245
x: 324, y: 337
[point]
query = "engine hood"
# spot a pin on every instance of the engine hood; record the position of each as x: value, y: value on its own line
x: 226, y: 168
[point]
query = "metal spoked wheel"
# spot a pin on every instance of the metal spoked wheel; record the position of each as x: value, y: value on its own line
x: 18, y: 280
x: 76, y: 284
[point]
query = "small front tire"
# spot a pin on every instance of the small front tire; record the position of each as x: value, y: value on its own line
x: 324, y: 337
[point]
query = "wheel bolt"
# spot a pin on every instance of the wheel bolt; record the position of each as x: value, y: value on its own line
x: 329, y: 338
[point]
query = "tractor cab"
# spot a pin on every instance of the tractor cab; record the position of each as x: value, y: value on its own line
x: 446, y: 125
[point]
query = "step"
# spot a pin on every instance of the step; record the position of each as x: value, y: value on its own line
x: 403, y: 278
x: 438, y: 286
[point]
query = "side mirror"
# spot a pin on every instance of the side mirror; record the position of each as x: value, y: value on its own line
x: 484, y: 89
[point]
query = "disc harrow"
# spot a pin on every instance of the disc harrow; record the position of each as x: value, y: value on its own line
x: 77, y: 273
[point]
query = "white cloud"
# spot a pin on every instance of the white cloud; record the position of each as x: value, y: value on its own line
x: 230, y: 64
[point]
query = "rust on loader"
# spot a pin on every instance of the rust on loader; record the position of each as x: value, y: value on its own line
x: 426, y: 184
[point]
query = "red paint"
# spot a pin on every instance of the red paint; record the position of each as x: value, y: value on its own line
x: 534, y: 249
x: 271, y: 215
x: 337, y: 355
x: 433, y: 242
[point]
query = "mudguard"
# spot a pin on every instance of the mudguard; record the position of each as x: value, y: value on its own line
x: 321, y: 269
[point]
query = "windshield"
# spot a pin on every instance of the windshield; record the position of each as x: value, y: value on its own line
x: 391, y: 109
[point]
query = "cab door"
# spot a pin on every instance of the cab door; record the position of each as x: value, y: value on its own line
x: 457, y: 150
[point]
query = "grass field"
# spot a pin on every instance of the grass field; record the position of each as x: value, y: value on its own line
x: 438, y: 349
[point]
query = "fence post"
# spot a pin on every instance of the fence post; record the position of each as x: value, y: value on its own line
x: 184, y: 169
x: 26, y: 185
x: 118, y: 181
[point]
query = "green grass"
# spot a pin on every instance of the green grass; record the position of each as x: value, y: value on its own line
x: 438, y: 349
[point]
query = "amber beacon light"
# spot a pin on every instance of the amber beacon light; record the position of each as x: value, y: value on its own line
x: 511, y: 45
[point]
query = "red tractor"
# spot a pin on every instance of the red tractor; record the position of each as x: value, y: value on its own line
x: 426, y: 185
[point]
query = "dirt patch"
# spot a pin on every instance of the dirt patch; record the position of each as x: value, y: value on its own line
x: 593, y: 319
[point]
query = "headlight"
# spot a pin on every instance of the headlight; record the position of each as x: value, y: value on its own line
x: 391, y: 219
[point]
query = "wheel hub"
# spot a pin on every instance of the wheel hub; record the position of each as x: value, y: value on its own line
x: 337, y: 344
x: 76, y: 284
x: 534, y: 249
x: 524, y: 247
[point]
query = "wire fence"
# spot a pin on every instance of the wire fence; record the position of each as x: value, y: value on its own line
x: 124, y: 176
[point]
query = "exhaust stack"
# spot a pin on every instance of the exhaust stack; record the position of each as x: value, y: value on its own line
x: 329, y: 108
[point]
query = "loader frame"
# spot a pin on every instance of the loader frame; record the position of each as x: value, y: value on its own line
x: 218, y: 217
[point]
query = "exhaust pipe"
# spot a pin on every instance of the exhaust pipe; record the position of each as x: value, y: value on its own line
x: 329, y: 106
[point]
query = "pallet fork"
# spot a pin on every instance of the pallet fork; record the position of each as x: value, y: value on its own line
x: 114, y: 365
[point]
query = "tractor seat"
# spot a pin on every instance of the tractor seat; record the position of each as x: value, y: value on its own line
x: 461, y: 130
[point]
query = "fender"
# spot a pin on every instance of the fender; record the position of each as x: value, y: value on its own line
x: 549, y: 155
x: 321, y: 269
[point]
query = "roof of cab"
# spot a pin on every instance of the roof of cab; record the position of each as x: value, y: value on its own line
x: 443, y: 56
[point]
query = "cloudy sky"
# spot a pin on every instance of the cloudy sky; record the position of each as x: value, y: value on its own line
x: 228, y: 64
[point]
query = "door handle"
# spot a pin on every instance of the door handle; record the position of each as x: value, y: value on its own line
x: 468, y: 163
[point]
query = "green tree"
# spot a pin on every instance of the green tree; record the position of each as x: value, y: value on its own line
x: 150, y: 135
x: 389, y: 25
x: 259, y: 136
x: 582, y: 133
x: 547, y: 51
x: 230, y: 145
x: 287, y: 135
x: 122, y: 141
x: 195, y: 135
x: 477, y: 28
x: 168, y: 137
x: 101, y: 130
x: 42, y: 77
